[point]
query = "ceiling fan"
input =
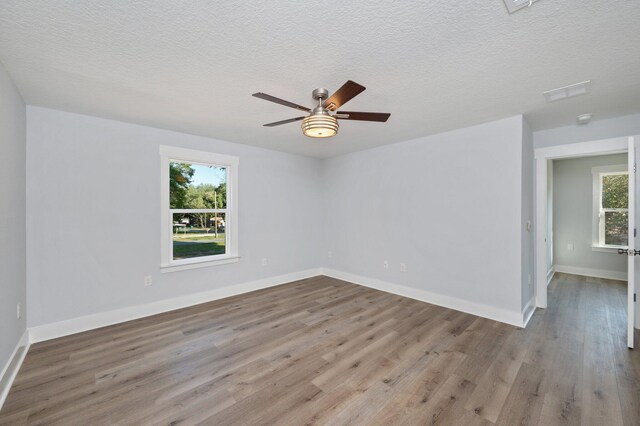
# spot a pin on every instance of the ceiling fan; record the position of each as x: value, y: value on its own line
x: 320, y: 123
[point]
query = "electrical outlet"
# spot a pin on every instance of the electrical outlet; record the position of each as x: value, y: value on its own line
x: 385, y: 264
x: 329, y: 254
x: 570, y: 246
x: 265, y: 262
x: 148, y: 281
x: 18, y: 310
x: 403, y: 267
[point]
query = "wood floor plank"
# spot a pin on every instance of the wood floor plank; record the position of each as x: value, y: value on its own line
x: 495, y: 385
x: 556, y: 411
x: 524, y: 402
x: 325, y: 351
x: 321, y: 410
x: 417, y: 388
x: 445, y: 406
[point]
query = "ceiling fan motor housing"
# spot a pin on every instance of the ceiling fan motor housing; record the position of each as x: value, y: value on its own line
x: 320, y: 124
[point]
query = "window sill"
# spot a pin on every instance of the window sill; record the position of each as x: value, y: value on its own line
x: 196, y: 265
x: 607, y: 249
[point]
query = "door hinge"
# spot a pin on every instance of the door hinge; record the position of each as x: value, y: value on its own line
x: 634, y: 297
x: 634, y: 232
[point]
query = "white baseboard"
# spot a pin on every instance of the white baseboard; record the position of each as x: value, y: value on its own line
x: 102, y: 319
x: 550, y: 273
x: 497, y: 314
x: 89, y: 322
x: 528, y: 311
x: 10, y: 370
x: 588, y: 272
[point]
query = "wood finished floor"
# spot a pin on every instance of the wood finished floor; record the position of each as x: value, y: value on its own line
x: 322, y: 351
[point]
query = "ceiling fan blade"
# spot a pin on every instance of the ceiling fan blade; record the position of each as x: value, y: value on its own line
x: 280, y: 101
x: 348, y: 91
x: 363, y: 116
x: 277, y: 123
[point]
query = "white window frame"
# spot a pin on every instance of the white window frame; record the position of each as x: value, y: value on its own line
x: 598, y: 212
x: 170, y: 154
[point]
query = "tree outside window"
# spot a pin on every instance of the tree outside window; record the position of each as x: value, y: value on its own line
x: 614, y: 209
x: 198, y: 203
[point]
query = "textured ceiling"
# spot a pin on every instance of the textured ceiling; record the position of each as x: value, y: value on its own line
x: 435, y: 65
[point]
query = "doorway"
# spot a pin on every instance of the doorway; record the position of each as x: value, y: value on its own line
x: 545, y: 256
x: 588, y: 212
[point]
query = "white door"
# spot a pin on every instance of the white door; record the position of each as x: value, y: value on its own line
x: 632, y: 246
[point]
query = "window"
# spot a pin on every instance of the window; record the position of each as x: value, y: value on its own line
x: 611, y: 206
x: 199, y: 208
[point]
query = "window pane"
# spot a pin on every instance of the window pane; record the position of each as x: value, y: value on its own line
x: 198, y: 234
x: 196, y: 186
x: 615, y: 193
x: 615, y: 228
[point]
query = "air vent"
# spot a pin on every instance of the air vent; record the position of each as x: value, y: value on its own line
x: 513, y: 5
x: 584, y: 118
x: 565, y: 92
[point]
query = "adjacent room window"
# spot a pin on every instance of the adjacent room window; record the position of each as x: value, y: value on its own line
x: 611, y: 206
x: 199, y: 220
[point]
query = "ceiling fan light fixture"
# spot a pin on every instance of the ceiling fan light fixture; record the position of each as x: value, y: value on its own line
x: 320, y: 126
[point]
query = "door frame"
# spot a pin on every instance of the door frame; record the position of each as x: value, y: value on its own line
x: 542, y: 156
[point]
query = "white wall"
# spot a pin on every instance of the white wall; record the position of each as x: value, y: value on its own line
x: 573, y: 213
x: 549, y: 240
x: 527, y: 215
x: 449, y: 206
x: 12, y: 217
x: 93, y: 215
x: 93, y: 202
x: 599, y: 129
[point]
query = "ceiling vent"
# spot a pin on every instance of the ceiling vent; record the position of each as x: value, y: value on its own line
x: 513, y: 5
x: 565, y: 92
x: 584, y: 118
